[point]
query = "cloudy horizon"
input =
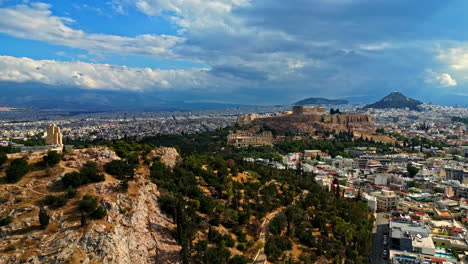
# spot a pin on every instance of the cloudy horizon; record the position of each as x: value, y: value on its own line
x: 239, y: 51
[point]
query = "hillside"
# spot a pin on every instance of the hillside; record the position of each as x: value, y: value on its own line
x: 320, y: 101
x: 133, y: 230
x: 396, y: 100
x: 145, y: 205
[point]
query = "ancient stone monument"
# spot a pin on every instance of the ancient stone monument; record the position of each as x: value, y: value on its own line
x: 54, y: 137
x: 249, y: 138
x: 309, y: 120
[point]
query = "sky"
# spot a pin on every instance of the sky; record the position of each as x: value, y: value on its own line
x: 240, y: 51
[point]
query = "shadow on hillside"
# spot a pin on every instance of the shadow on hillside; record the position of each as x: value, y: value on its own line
x: 3, y: 180
x: 26, y: 230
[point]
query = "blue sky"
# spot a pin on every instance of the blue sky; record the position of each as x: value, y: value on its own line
x: 240, y: 51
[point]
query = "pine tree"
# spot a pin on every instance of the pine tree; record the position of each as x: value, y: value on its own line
x: 44, y: 218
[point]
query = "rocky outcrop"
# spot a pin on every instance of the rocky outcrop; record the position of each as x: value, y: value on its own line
x: 313, y: 123
x: 168, y: 156
x: 77, y: 157
x: 134, y: 230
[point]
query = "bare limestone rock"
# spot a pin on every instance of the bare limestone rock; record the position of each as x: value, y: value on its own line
x: 134, y: 231
x: 169, y: 156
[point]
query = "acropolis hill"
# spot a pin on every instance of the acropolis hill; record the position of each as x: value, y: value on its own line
x: 309, y: 120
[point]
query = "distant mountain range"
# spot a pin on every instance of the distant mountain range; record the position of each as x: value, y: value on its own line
x: 320, y: 101
x: 396, y: 100
x: 34, y: 95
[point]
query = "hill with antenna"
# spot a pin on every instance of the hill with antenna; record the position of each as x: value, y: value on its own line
x: 396, y: 100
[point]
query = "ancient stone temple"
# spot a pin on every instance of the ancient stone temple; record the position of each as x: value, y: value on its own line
x: 54, y: 137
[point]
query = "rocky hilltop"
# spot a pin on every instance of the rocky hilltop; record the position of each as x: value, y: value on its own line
x: 133, y: 231
x: 396, y: 100
x: 316, y: 123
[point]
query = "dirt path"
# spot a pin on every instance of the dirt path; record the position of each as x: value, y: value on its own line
x: 261, y: 257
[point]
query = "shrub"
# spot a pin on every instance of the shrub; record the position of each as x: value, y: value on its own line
x: 99, y: 213
x: 228, y: 240
x: 71, y: 193
x: 240, y: 247
x: 123, y: 186
x: 5, y: 220
x: 55, y: 201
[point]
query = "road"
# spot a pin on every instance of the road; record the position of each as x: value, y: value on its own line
x: 381, y: 225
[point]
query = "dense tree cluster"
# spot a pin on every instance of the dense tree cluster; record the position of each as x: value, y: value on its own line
x: 206, y: 142
x: 200, y: 194
x: 9, y: 149
x: 121, y: 169
x: 36, y: 140
x: 334, y: 147
x: 89, y: 173
x: 460, y: 119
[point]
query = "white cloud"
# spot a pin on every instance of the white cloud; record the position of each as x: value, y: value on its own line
x: 375, y: 46
x: 192, y: 14
x: 441, y: 79
x: 455, y: 58
x: 99, y: 76
x: 35, y: 21
x: 446, y: 80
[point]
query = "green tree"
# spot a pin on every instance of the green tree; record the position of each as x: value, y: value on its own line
x: 52, y: 158
x: 413, y: 184
x: 412, y: 171
x: 44, y: 218
x: 89, y: 208
x: 88, y: 204
x: 17, y: 169
x: 276, y: 225
x: 275, y: 247
x: 119, y: 168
